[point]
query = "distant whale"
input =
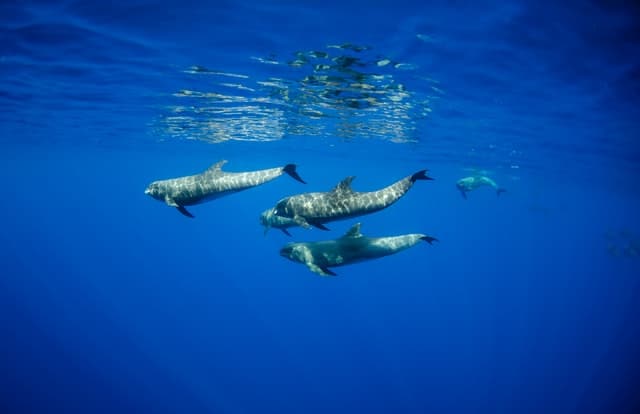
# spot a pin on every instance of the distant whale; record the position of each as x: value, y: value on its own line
x: 211, y: 184
x: 351, y: 248
x: 471, y: 183
x: 315, y: 209
x: 270, y: 219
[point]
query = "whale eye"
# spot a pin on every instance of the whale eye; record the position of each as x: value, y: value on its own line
x: 280, y: 209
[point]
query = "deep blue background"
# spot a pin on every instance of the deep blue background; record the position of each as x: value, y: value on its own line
x: 111, y: 301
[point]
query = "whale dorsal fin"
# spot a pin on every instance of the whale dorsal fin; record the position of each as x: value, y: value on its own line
x: 216, y: 168
x: 344, y: 186
x: 353, y: 232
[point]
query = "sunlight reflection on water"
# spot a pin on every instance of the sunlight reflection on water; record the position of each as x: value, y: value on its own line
x: 345, y: 91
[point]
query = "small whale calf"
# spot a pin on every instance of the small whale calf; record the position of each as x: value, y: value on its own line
x: 316, y: 209
x: 211, y: 184
x: 351, y: 248
x: 270, y: 219
x: 473, y: 182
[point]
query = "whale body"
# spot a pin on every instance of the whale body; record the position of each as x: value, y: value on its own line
x: 471, y: 183
x: 351, y: 248
x: 316, y: 209
x: 211, y: 184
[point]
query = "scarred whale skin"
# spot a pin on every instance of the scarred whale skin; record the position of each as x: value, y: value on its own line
x: 211, y: 184
x: 315, y: 209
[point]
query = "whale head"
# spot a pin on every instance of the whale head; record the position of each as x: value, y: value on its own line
x: 290, y: 251
x: 282, y: 208
x: 463, y: 184
x: 270, y: 219
x: 297, y: 252
x: 303, y: 253
x: 155, y: 190
x: 267, y: 219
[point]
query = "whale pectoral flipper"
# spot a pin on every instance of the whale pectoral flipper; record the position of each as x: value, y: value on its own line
x: 328, y: 272
x: 170, y: 202
x: 285, y: 231
x: 291, y: 170
x: 321, y: 270
x: 429, y: 239
x: 184, y: 211
x: 318, y: 225
x: 300, y: 221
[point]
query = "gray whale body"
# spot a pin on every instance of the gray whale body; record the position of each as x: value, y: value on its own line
x: 316, y: 209
x: 351, y: 248
x: 211, y: 184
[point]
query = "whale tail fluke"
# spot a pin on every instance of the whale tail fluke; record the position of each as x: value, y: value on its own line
x: 500, y: 191
x: 429, y: 239
x: 420, y: 175
x: 291, y: 170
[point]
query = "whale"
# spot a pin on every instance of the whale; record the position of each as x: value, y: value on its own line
x: 474, y: 182
x: 212, y: 184
x: 269, y: 219
x: 351, y: 248
x: 316, y: 209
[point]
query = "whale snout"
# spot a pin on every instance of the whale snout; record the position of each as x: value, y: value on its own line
x: 297, y: 252
x: 153, y: 190
x: 286, y: 251
x: 265, y: 217
x: 463, y: 186
x: 289, y: 251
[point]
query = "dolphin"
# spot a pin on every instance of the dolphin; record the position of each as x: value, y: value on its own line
x: 211, y: 184
x: 269, y: 219
x: 351, y: 248
x: 473, y: 182
x: 315, y: 209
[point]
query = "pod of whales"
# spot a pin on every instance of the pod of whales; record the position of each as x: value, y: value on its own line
x: 316, y: 209
x: 306, y: 210
x: 211, y: 184
x: 473, y: 182
x: 351, y: 248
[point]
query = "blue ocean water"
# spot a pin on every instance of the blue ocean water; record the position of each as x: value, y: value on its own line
x: 114, y: 302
